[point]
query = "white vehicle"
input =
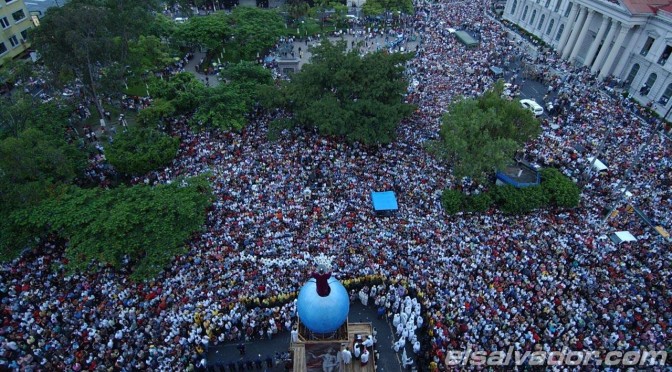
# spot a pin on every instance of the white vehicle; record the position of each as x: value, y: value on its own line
x: 181, y: 20
x: 533, y: 106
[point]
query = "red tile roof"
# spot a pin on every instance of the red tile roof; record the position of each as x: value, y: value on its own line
x: 646, y: 6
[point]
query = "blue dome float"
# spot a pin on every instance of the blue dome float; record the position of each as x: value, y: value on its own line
x: 323, y: 304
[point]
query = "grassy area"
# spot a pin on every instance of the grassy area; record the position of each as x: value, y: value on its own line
x: 94, y: 120
x: 136, y: 89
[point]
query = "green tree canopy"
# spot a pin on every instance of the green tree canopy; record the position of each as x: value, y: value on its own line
x: 379, y: 7
x: 20, y: 111
x: 139, y: 150
x: 155, y: 114
x: 147, y: 53
x: 222, y: 107
x: 210, y: 31
x: 33, y: 165
x: 255, y: 30
x: 343, y: 94
x: 182, y: 90
x: 148, y: 225
x: 479, y: 135
x: 89, y: 40
x: 560, y: 189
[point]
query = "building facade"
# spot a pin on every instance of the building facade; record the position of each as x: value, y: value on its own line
x: 15, y: 21
x: 630, y: 40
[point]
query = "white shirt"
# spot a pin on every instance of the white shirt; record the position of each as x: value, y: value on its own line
x: 365, y: 357
x: 346, y: 355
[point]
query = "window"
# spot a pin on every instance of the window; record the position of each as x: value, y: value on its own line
x: 666, y: 54
x: 541, y: 21
x: 548, y: 2
x: 513, y: 7
x: 557, y: 5
x: 666, y: 95
x: 24, y: 34
x: 534, y: 15
x: 559, y: 34
x: 3, y: 48
x: 633, y: 73
x: 550, y: 26
x: 4, y: 22
x: 14, y: 41
x: 569, y: 8
x: 647, y: 46
x: 18, y: 15
x: 524, y: 14
x: 646, y: 88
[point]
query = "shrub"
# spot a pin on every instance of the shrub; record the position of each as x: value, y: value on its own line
x: 478, y: 203
x: 518, y: 201
x: 561, y: 191
x: 140, y: 150
x: 452, y: 201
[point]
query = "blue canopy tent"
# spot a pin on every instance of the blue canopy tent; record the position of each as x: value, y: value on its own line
x: 384, y: 202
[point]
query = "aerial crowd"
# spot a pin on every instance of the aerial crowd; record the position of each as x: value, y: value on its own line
x: 547, y: 280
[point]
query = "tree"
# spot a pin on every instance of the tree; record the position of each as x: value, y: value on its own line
x: 519, y: 201
x: 255, y: 30
x: 128, y: 20
x: 182, y: 90
x: 297, y: 9
x: 33, y: 165
x: 147, y: 53
x: 341, y: 93
x: 139, y: 150
x: 379, y: 7
x: 250, y: 79
x: 221, y: 107
x: 20, y: 111
x: 452, y: 200
x: 561, y: 191
x: 159, y: 110
x: 140, y: 228
x: 210, y: 31
x: 75, y: 40
x: 479, y: 135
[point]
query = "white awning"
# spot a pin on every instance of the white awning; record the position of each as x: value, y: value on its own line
x: 622, y: 236
x: 597, y: 165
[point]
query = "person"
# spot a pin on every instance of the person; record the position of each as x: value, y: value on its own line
x: 241, y: 348
x: 329, y: 360
x: 365, y: 357
x: 346, y: 356
x: 295, y: 335
x: 368, y: 342
x: 357, y: 350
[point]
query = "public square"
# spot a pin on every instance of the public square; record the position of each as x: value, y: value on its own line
x: 547, y: 280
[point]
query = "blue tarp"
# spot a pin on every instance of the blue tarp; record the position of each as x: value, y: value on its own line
x: 384, y: 201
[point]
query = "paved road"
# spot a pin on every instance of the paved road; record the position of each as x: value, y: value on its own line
x: 221, y: 355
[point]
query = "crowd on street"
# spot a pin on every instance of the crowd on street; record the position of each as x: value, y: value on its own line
x: 542, y: 281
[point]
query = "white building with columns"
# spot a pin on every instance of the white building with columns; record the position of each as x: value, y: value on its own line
x: 630, y: 40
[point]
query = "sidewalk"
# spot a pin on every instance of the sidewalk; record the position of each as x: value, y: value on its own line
x: 205, y: 79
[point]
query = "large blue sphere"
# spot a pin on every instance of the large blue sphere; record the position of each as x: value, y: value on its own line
x: 323, y: 314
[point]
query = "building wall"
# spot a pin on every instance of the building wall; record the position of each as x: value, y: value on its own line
x: 14, y: 24
x: 606, y: 37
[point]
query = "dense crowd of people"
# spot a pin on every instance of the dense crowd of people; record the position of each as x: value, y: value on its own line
x: 542, y: 281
